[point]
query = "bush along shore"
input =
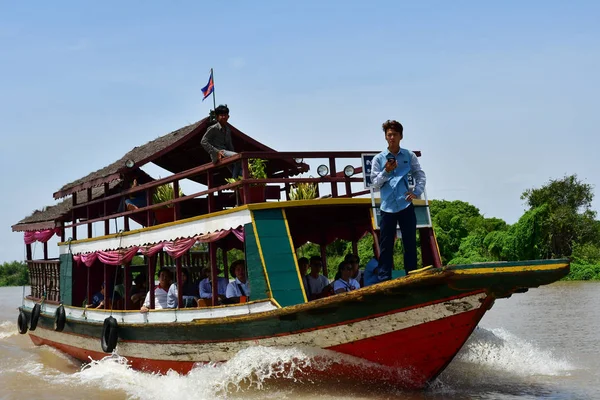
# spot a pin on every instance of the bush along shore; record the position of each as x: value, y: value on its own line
x: 558, y: 222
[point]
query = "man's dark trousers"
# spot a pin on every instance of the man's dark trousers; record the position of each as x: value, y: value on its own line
x: 407, y: 220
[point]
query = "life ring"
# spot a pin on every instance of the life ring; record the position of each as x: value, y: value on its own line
x: 35, y: 316
x: 22, y: 322
x: 109, y: 335
x: 60, y: 318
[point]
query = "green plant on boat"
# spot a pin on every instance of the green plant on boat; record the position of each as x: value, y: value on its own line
x: 164, y: 193
x: 257, y: 168
x: 303, y: 191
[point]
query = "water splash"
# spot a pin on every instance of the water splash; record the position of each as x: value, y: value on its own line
x: 248, y: 371
x: 499, y: 349
x: 8, y: 329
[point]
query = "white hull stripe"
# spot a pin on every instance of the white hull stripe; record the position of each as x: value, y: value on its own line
x: 319, y: 338
x: 158, y: 316
x: 169, y: 232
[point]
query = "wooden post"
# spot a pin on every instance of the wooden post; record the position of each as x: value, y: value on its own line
x: 29, y: 253
x: 211, y: 197
x: 176, y: 206
x: 87, y: 213
x: 179, y: 282
x: 348, y: 188
x: 151, y: 273
x: 127, y: 284
x: 149, y: 213
x: 62, y: 231
x: 355, y: 247
x: 126, y: 223
x: 225, y: 263
x: 212, y: 246
x: 106, y: 286
x: 245, y: 177
x: 324, y: 259
x: 73, y: 217
x: 90, y: 290
x: 104, y: 203
x: 45, y: 250
x: 332, y: 173
x: 287, y: 185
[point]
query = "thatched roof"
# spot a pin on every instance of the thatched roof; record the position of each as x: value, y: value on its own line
x: 177, y: 151
x: 47, y: 217
x: 139, y: 155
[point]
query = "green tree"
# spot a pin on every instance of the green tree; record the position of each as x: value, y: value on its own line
x: 569, y: 218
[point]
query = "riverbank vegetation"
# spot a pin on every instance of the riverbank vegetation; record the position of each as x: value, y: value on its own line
x: 14, y: 274
x: 558, y: 222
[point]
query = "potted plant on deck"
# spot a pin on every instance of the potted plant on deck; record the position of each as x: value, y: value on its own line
x: 257, y: 169
x: 303, y: 191
x: 162, y: 194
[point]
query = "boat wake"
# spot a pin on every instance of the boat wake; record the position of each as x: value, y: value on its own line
x: 7, y: 329
x: 492, y: 360
x: 496, y: 360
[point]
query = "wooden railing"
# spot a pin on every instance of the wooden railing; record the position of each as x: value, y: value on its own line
x: 333, y: 178
x: 44, y: 276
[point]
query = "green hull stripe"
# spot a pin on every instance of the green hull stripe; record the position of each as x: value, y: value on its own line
x: 66, y: 279
x: 256, y: 275
x: 279, y: 257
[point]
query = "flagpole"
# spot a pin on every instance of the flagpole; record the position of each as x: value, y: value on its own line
x: 213, y: 91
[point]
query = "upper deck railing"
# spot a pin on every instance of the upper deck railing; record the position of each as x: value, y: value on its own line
x: 286, y: 177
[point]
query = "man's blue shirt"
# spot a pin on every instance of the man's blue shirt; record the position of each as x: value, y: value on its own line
x: 394, y: 185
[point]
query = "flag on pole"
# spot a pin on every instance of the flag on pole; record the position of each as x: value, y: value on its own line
x: 210, y: 86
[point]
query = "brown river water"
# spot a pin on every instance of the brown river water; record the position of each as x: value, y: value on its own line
x: 543, y: 344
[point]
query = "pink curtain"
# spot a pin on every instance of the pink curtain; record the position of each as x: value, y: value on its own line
x: 40, y: 236
x: 175, y: 249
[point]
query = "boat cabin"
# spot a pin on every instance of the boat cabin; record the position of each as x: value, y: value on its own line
x: 283, y: 201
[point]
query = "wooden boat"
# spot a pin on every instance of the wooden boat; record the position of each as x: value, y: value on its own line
x: 403, y: 332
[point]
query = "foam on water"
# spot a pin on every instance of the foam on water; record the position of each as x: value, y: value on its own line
x: 498, y: 349
x: 8, y: 329
x: 487, y: 356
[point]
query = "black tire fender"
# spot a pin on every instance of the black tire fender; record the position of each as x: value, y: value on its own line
x: 110, y: 335
x: 35, y: 316
x: 22, y: 322
x: 60, y: 318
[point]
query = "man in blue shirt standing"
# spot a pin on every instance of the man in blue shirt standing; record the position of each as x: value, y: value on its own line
x: 389, y: 172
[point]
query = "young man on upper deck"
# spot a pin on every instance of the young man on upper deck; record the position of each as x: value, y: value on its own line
x: 217, y: 140
x: 389, y: 172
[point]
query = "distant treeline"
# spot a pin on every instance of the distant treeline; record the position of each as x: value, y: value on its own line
x: 14, y: 274
x: 558, y: 223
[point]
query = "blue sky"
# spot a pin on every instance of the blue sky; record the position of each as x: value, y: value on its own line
x: 500, y: 97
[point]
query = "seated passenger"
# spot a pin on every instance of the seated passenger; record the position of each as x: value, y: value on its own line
x: 238, y: 288
x: 205, y: 286
x: 189, y: 293
x: 303, y: 269
x: 370, y: 276
x: 160, y: 292
x: 99, y: 300
x: 357, y: 274
x: 139, y: 290
x: 345, y: 283
x: 316, y: 283
x: 136, y: 200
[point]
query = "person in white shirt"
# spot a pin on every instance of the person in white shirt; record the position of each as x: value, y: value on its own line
x: 238, y: 288
x: 315, y: 282
x: 189, y: 295
x: 160, y: 292
x: 345, y: 283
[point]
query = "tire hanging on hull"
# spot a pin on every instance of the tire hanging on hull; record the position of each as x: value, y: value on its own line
x: 22, y: 322
x: 110, y: 335
x: 60, y: 318
x: 35, y: 316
